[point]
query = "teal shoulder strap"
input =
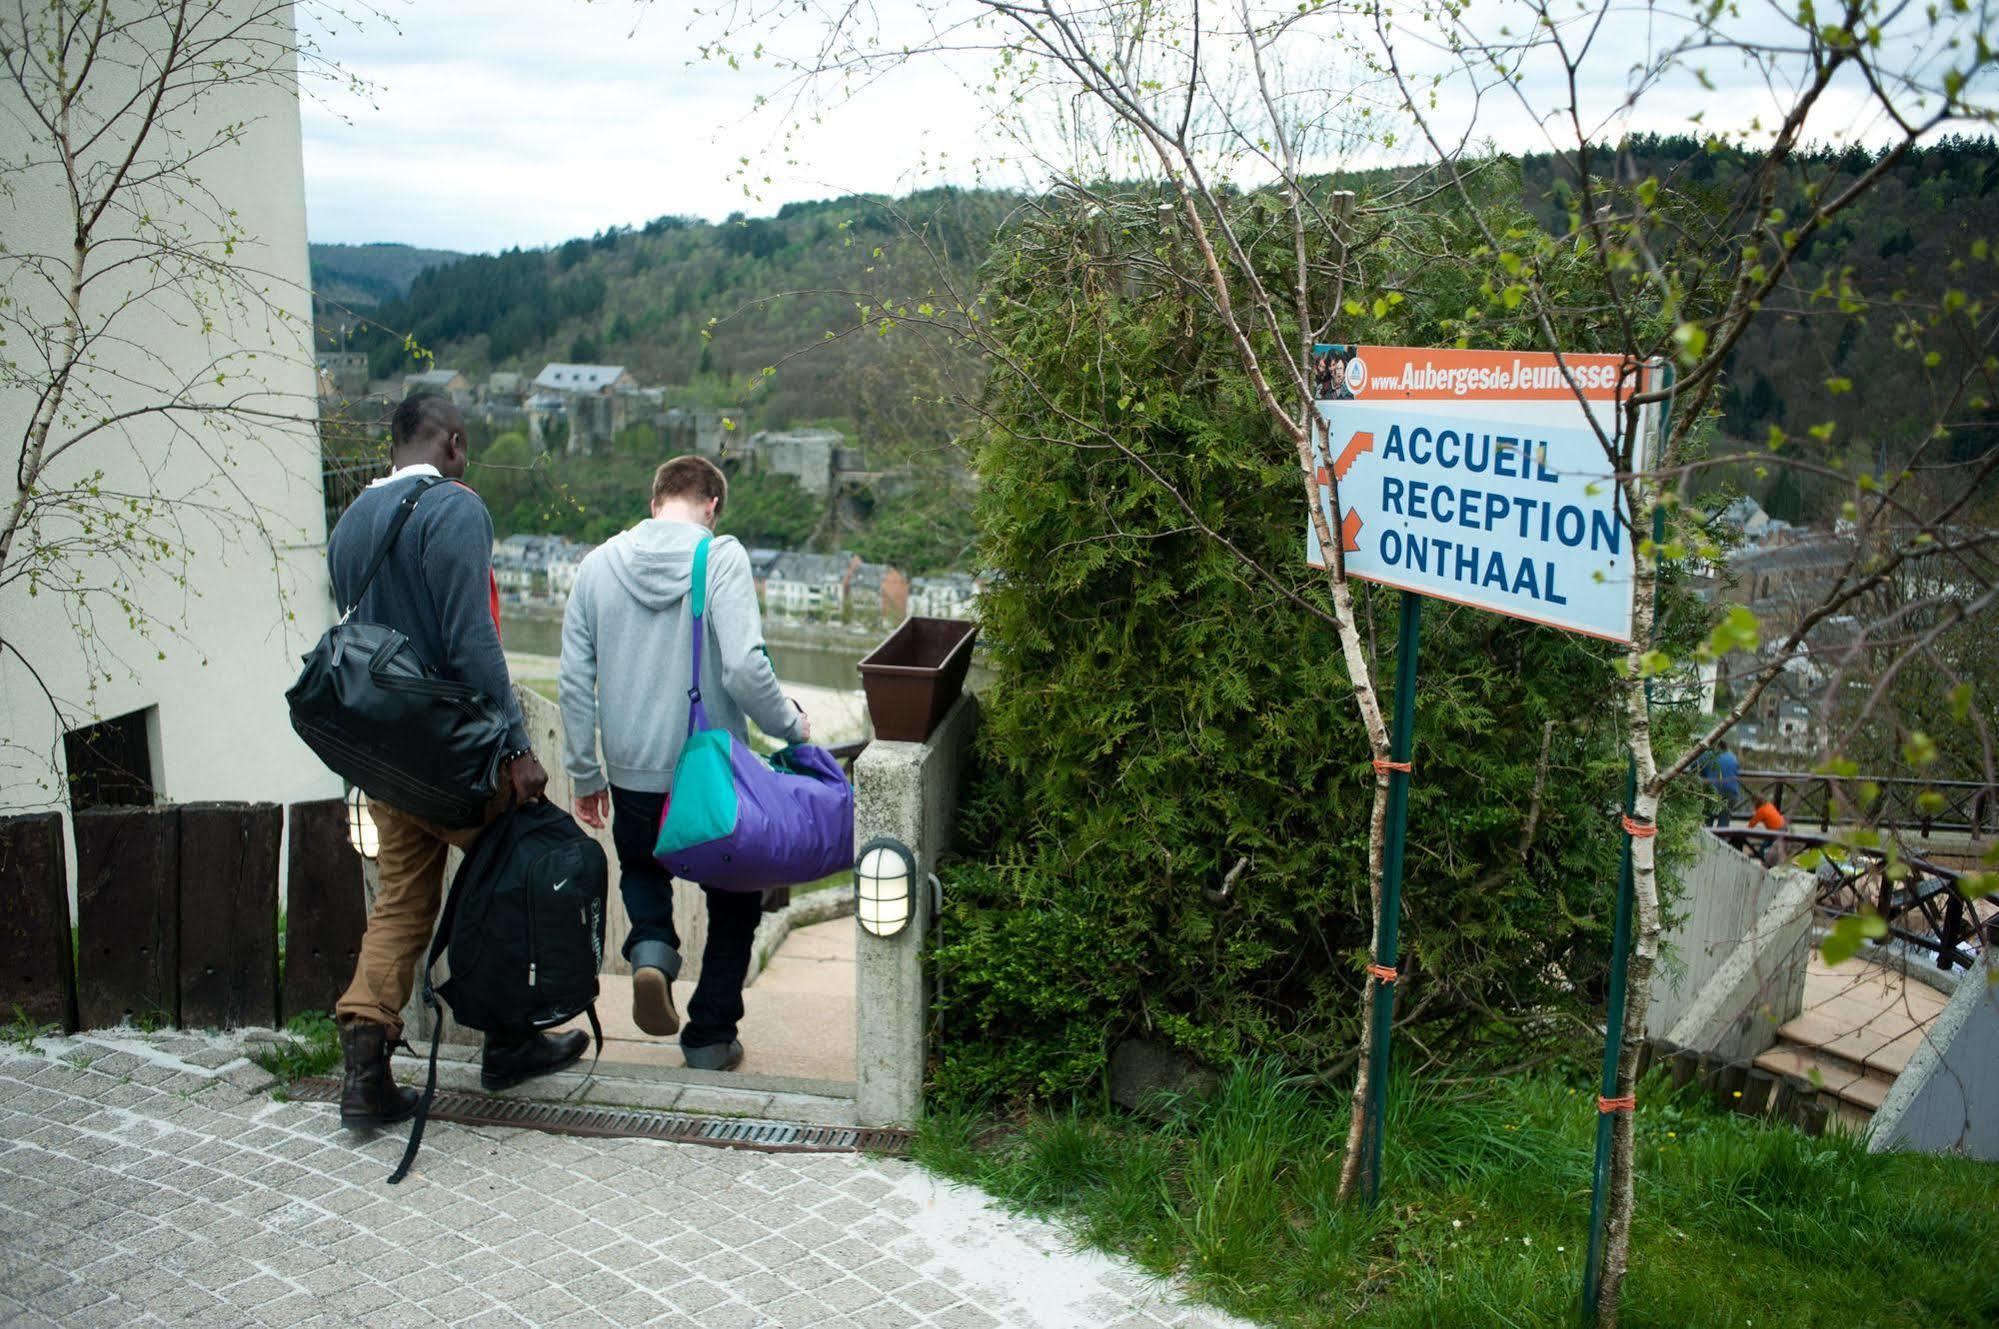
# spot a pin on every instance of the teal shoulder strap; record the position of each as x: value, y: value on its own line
x: 701, y: 577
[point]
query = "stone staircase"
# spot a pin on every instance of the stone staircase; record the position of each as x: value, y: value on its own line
x: 1860, y: 1024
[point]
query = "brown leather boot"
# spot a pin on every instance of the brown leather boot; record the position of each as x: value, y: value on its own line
x: 369, y: 1095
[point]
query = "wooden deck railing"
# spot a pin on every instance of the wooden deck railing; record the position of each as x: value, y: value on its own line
x: 1966, y: 807
x: 1923, y: 907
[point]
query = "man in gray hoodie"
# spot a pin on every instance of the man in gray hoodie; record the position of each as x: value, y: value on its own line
x: 626, y: 671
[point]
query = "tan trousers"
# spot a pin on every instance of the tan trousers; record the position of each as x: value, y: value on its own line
x: 411, y: 864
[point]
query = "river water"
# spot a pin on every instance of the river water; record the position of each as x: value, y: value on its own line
x: 532, y: 632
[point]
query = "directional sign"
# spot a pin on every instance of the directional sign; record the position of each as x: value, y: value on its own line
x: 1478, y: 477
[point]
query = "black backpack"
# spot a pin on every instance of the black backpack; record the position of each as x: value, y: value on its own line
x: 524, y: 929
x: 379, y: 717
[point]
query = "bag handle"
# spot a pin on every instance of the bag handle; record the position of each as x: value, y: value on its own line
x: 402, y: 517
x: 697, y: 718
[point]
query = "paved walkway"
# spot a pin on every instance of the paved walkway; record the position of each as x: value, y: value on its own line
x: 154, y: 1180
x: 798, y: 1014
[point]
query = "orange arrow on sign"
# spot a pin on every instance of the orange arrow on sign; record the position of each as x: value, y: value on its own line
x: 1350, y: 532
x: 1362, y: 441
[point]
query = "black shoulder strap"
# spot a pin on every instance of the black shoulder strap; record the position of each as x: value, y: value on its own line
x: 438, y: 944
x: 403, y: 510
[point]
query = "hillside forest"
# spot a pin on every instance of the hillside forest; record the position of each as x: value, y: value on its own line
x: 771, y: 318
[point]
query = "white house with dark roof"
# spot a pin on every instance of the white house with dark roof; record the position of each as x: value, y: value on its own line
x: 808, y: 585
x: 594, y: 401
x: 569, y: 379
x: 952, y: 595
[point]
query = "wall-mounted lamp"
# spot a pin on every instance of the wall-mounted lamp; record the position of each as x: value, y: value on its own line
x: 884, y: 875
x: 361, y: 832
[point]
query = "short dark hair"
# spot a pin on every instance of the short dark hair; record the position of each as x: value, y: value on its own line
x: 420, y: 418
x: 690, y: 477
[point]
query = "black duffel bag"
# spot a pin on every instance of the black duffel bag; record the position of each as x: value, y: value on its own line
x: 378, y: 716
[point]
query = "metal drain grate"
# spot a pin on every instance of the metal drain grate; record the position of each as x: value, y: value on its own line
x: 775, y: 1137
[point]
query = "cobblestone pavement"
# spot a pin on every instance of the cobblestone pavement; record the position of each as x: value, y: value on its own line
x: 155, y: 1180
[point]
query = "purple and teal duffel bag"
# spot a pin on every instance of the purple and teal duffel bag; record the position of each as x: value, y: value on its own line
x: 737, y: 822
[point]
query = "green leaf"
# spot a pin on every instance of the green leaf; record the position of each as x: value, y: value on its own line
x: 1691, y: 338
x: 1843, y: 942
x: 1739, y: 631
x: 1920, y: 750
x: 1960, y: 702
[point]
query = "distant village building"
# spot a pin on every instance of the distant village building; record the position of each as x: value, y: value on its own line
x: 1758, y: 527
x: 445, y: 382
x: 594, y: 402
x: 714, y: 431
x: 808, y: 585
x: 563, y: 567
x: 876, y: 593
x: 952, y: 595
x: 345, y: 373
x: 524, y: 565
x: 807, y: 455
x: 760, y: 566
x: 1791, y: 572
x: 800, y: 585
x: 505, y: 388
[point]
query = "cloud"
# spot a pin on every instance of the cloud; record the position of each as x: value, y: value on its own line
x: 490, y: 124
x: 494, y: 123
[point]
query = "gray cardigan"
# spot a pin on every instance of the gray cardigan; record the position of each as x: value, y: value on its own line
x: 435, y: 587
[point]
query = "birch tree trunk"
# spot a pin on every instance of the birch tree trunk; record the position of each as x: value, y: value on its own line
x: 1645, y: 919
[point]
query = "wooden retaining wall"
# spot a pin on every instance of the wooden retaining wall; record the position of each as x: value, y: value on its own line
x: 177, y: 915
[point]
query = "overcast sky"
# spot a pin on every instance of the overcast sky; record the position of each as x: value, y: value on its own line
x: 494, y: 123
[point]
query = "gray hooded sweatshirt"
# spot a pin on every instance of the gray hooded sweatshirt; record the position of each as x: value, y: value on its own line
x: 625, y: 656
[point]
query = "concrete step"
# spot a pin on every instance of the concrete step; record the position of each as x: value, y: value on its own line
x: 1882, y: 1040
x: 1856, y: 1088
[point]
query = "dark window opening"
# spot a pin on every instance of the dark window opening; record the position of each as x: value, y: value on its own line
x: 110, y: 763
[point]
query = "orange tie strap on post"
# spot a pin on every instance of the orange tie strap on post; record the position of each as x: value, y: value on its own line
x: 1382, y: 972
x: 1386, y: 766
x: 1628, y: 1103
x: 1639, y: 830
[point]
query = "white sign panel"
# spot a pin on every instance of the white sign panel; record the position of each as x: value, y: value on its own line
x: 1475, y: 476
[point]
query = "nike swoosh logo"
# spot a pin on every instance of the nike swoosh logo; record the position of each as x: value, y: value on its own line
x: 560, y: 884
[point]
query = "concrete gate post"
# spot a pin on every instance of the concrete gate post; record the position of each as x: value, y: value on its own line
x: 908, y: 791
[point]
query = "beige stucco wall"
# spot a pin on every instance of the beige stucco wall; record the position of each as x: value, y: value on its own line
x: 252, y: 603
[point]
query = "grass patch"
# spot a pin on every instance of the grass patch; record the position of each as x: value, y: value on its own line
x: 25, y: 1032
x: 1486, y: 1205
x: 311, y: 1047
x: 545, y: 686
x: 843, y: 880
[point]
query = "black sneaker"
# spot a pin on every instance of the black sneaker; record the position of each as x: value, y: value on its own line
x: 713, y: 1056
x: 505, y: 1064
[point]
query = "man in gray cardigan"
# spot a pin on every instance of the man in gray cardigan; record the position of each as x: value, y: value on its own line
x: 626, y: 673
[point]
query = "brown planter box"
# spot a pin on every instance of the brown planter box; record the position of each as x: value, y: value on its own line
x: 915, y: 675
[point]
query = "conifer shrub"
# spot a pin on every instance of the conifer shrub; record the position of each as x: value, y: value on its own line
x: 1160, y: 711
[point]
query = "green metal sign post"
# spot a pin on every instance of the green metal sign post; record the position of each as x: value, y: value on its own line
x: 1387, y: 936
x: 1613, y: 1051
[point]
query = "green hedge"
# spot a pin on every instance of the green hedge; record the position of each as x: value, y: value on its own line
x: 1159, y: 710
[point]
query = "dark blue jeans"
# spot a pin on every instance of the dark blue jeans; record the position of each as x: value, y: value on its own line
x: 717, y: 1004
